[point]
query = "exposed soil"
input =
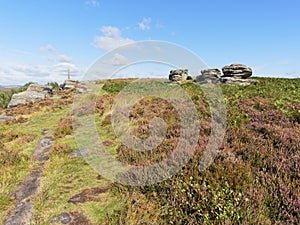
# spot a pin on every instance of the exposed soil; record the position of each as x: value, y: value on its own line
x: 73, y: 218
x: 28, y: 187
x: 107, y: 143
x: 79, y: 219
x: 88, y: 195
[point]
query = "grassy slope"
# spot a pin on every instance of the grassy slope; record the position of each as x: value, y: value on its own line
x: 255, y: 178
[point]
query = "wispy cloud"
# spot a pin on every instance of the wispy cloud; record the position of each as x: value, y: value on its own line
x: 23, y: 73
x: 60, y: 58
x: 92, y: 3
x: 54, y: 68
x: 111, y: 38
x: 145, y: 24
x: 48, y: 48
x: 117, y: 60
x: 53, y: 55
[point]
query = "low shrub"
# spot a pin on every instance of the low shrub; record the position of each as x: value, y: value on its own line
x: 64, y: 127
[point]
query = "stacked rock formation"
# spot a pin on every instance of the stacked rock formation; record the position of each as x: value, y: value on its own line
x: 209, y: 76
x: 33, y: 93
x: 69, y: 84
x: 237, y: 74
x: 239, y: 71
x: 79, y: 87
x: 178, y: 75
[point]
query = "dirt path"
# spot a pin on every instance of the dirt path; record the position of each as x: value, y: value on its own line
x: 22, y: 214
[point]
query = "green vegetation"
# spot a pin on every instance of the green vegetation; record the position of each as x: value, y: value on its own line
x: 253, y: 180
x: 5, y: 98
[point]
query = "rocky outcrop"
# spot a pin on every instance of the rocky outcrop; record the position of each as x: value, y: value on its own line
x: 69, y: 84
x: 78, y: 87
x: 209, y: 76
x: 40, y: 88
x: 239, y: 71
x: 33, y: 93
x: 82, y: 88
x: 235, y: 74
x: 237, y: 81
x: 178, y: 75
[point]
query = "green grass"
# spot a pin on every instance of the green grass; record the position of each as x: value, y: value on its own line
x: 64, y: 177
x: 11, y: 175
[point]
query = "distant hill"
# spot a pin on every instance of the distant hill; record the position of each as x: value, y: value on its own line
x: 6, y: 89
x: 10, y: 86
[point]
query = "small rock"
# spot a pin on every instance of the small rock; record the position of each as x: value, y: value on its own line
x: 63, y: 218
x: 3, y: 118
x: 79, y: 153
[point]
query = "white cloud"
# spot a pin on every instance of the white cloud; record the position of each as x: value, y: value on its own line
x: 92, y: 3
x: 110, y: 31
x: 12, y: 74
x: 54, y: 67
x: 145, y: 24
x: 62, y: 68
x: 60, y: 58
x: 48, y: 48
x: 53, y: 54
x: 40, y: 70
x: 64, y: 58
x: 117, y: 60
x: 111, y: 39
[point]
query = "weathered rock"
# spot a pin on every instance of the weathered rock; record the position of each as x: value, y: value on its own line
x: 25, y: 97
x: 209, y: 76
x: 33, y: 93
x: 238, y: 81
x: 69, y: 84
x: 40, y: 88
x: 189, y: 77
x: 63, y: 218
x: 3, y: 118
x: 237, y: 71
x: 211, y: 73
x: 82, y: 88
x: 178, y: 75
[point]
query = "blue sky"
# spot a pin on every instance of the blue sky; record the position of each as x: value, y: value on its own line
x: 41, y: 39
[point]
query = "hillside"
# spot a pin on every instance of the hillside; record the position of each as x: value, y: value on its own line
x: 255, y: 178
